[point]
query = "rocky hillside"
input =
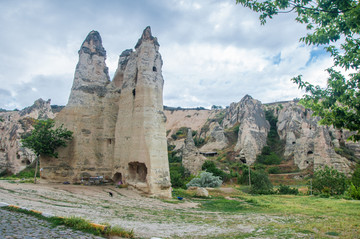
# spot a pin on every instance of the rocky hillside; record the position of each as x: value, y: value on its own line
x: 14, y: 124
x: 239, y: 133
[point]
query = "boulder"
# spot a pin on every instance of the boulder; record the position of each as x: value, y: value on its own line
x: 202, y: 192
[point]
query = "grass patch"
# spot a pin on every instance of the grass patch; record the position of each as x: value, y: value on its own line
x: 225, y: 205
x: 27, y: 174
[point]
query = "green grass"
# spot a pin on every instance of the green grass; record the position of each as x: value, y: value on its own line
x: 28, y: 174
x: 303, y: 216
x: 225, y: 205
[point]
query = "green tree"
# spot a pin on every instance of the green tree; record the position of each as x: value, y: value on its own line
x: 329, y: 180
x: 44, y: 140
x: 328, y: 21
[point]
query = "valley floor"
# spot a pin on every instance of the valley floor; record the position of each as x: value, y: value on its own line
x: 230, y: 213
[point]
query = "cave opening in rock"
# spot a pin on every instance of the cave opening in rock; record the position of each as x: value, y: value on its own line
x: 137, y: 172
x: 117, y: 178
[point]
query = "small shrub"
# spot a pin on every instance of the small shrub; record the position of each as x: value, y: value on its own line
x: 199, y: 141
x: 206, y: 179
x: 274, y: 170
x: 284, y: 189
x: 174, y: 137
x: 353, y: 192
x: 179, y: 176
x: 355, y: 178
x: 268, y: 159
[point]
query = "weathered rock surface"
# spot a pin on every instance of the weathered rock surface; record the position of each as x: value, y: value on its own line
x: 14, y: 157
x: 194, y: 119
x: 119, y: 125
x: 192, y: 160
x: 216, y: 139
x: 253, y: 127
x: 307, y: 142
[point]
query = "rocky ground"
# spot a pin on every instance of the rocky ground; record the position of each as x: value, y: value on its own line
x: 22, y: 226
x: 148, y: 217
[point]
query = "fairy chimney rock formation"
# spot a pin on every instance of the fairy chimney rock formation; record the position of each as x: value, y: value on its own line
x: 118, y: 125
x: 91, y: 74
x: 192, y: 160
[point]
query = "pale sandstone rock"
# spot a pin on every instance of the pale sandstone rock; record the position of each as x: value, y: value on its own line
x: 309, y: 143
x: 253, y: 127
x: 190, y: 118
x: 217, y: 139
x: 202, y: 192
x: 119, y: 125
x: 13, y: 156
x: 192, y: 160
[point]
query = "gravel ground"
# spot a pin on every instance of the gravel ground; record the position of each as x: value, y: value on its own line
x: 147, y: 217
x: 20, y: 225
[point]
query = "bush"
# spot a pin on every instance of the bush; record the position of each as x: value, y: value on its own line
x: 353, y: 192
x: 209, y: 166
x: 206, y: 179
x: 179, y: 175
x: 274, y: 170
x: 268, y: 159
x: 260, y: 183
x: 329, y: 180
x: 284, y: 189
x: 355, y: 178
x: 199, y: 141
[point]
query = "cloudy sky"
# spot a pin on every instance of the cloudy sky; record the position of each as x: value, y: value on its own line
x: 214, y: 52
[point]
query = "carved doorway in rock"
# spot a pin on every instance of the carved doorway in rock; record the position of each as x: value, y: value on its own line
x: 137, y: 172
x: 117, y: 178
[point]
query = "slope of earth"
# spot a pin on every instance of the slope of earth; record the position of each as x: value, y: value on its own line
x: 194, y: 119
x: 228, y: 214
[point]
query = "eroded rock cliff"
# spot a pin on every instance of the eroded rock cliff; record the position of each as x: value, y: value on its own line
x: 14, y: 124
x: 306, y: 141
x: 253, y: 127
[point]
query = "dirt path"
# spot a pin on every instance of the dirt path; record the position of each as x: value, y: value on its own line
x: 148, y: 217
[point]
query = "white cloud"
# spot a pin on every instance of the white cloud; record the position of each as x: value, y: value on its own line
x: 214, y: 52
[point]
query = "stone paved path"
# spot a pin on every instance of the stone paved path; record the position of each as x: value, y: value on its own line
x: 19, y: 225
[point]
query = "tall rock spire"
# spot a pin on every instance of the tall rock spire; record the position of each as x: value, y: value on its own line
x: 147, y: 36
x: 91, y: 74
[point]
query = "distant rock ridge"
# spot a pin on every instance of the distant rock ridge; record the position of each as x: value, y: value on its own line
x: 307, y: 143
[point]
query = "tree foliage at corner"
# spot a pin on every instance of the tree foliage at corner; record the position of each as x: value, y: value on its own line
x: 44, y: 140
x: 328, y: 21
